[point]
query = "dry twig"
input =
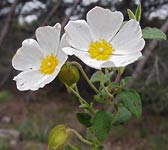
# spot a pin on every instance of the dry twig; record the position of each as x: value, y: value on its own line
x: 7, y: 23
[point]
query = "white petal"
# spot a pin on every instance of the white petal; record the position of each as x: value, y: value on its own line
x: 33, y: 79
x: 129, y: 39
x: 114, y: 60
x: 122, y: 60
x: 49, y: 38
x: 28, y: 56
x: 27, y: 79
x: 104, y: 23
x: 78, y: 34
x: 64, y: 42
x: 85, y: 57
x: 62, y: 57
x: 49, y: 78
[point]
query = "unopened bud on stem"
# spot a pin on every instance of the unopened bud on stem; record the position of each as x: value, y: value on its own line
x: 69, y: 74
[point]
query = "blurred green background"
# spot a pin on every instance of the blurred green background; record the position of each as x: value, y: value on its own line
x: 27, y: 117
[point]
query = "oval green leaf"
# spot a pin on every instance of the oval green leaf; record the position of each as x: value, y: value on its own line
x: 102, y: 122
x: 132, y: 101
x: 153, y: 33
x: 84, y: 118
x: 122, y: 116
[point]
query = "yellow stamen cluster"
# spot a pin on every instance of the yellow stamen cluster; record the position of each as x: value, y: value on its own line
x: 100, y: 50
x: 48, y: 64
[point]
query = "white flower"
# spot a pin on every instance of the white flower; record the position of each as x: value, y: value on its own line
x: 104, y: 40
x: 41, y: 61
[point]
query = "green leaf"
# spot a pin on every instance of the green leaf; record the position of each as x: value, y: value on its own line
x: 122, y: 116
x: 89, y: 133
x: 153, y: 33
x: 114, y: 85
x: 131, y: 14
x: 138, y: 12
x: 72, y: 147
x: 84, y: 118
x: 102, y: 124
x: 67, y: 147
x: 94, y: 148
x: 83, y: 106
x: 127, y: 79
x: 97, y: 148
x: 99, y: 98
x: 102, y: 97
x: 96, y: 77
x: 131, y: 101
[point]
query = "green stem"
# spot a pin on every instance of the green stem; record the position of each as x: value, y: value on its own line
x: 102, y: 84
x: 107, y: 72
x: 76, y: 88
x: 80, y: 137
x: 81, y: 100
x: 120, y: 72
x: 84, y: 75
x: 73, y: 147
x: 93, y: 136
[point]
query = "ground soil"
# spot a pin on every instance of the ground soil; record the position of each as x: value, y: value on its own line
x: 42, y: 113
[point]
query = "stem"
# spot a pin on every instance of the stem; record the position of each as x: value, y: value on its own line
x: 76, y: 88
x: 84, y: 75
x: 107, y: 72
x: 80, y: 137
x: 120, y: 72
x: 93, y: 136
x: 81, y: 100
x: 118, y: 77
x: 73, y: 147
x: 102, y: 84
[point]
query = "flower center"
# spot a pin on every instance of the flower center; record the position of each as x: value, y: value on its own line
x: 48, y: 64
x: 100, y: 50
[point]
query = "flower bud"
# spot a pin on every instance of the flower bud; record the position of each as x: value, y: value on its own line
x: 68, y: 74
x: 58, y: 138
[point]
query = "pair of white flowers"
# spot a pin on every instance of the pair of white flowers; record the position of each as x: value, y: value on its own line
x: 101, y: 42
